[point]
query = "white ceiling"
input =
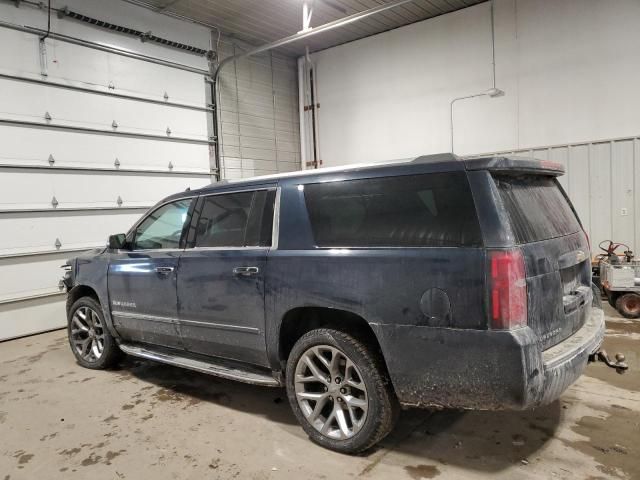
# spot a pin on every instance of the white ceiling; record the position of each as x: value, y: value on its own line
x: 263, y: 21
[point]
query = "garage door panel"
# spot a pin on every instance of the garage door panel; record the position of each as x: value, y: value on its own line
x: 289, y: 157
x: 256, y: 142
x: 231, y: 150
x: 23, y: 318
x: 88, y: 189
x: 38, y: 231
x: 288, y: 136
x: 288, y: 147
x: 258, y: 154
x: 257, y: 110
x: 68, y: 61
x: 288, y: 166
x: 19, y: 52
x: 257, y: 132
x: 32, y: 146
x: 28, y: 101
x: 24, y: 277
x: 73, y: 62
x: 246, y: 86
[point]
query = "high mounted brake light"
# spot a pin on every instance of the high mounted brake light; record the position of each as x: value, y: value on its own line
x: 507, y: 289
x: 551, y: 165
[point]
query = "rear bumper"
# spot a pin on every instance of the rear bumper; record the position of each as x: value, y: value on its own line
x: 485, y: 370
x: 565, y: 362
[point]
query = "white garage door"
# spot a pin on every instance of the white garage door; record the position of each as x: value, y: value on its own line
x: 80, y: 163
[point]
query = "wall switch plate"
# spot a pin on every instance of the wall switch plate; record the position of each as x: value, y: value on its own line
x: 624, y: 212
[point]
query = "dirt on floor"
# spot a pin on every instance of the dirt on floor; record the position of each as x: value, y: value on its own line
x: 147, y: 420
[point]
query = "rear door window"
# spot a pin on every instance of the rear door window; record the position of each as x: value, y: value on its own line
x: 537, y: 207
x: 430, y: 210
x: 235, y: 219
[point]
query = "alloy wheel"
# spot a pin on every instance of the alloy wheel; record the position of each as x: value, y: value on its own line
x: 87, y: 334
x: 331, y: 392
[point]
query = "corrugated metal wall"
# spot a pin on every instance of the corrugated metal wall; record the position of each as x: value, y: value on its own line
x: 603, y: 181
x: 259, y: 120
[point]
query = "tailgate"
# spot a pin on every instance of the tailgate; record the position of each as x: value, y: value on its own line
x: 555, y: 250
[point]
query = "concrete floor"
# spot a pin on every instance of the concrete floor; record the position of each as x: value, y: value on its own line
x: 146, y: 420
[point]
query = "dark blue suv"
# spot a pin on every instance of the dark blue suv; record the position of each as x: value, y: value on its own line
x: 432, y: 282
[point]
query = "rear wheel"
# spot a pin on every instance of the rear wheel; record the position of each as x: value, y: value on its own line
x: 339, y: 391
x: 629, y: 305
x: 89, y: 338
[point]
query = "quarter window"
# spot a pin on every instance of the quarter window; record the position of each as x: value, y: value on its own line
x: 407, y: 211
x: 163, y: 227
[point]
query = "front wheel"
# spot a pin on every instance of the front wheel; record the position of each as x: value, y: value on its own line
x: 339, y: 391
x: 629, y: 305
x: 89, y: 338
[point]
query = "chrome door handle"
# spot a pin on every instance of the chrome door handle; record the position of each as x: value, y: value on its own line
x: 164, y: 270
x: 246, y: 271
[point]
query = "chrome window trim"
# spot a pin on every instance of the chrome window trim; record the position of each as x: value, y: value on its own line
x: 274, y: 232
x: 228, y: 248
x: 275, y: 229
x: 219, y: 326
x: 153, y: 250
x: 143, y: 316
x: 239, y: 190
x: 185, y: 322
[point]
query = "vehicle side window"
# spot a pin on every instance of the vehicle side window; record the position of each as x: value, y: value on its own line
x: 242, y: 219
x: 261, y: 219
x: 223, y: 221
x: 406, y: 211
x: 163, y: 227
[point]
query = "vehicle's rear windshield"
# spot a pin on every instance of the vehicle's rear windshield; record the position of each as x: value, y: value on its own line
x: 537, y: 208
x: 407, y: 211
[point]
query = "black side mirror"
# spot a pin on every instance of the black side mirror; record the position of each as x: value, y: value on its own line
x: 117, y: 241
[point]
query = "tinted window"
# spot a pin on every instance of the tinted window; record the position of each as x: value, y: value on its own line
x: 408, y: 211
x: 236, y: 220
x: 163, y: 227
x: 537, y: 208
x: 223, y: 221
x: 261, y: 219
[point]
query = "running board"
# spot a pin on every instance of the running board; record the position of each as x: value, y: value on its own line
x: 220, y: 369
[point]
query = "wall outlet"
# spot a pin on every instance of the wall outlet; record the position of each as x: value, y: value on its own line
x: 624, y: 212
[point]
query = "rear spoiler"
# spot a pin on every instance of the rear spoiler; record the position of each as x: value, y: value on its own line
x: 515, y: 165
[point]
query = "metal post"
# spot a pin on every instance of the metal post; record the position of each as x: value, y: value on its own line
x: 300, y: 36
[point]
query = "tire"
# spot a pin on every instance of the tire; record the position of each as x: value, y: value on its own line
x: 87, y: 334
x: 628, y: 305
x: 364, y: 394
x: 611, y: 299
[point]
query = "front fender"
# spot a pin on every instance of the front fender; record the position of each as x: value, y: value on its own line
x: 91, y: 272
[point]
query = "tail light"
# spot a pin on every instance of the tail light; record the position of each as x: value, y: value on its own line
x: 507, y: 289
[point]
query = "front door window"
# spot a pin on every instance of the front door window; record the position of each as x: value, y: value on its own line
x: 162, y: 229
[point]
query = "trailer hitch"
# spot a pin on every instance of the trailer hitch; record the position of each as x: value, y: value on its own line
x: 601, y: 355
